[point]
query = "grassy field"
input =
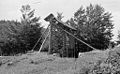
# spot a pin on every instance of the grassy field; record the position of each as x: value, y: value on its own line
x: 41, y: 63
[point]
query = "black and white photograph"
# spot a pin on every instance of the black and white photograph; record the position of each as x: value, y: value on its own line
x: 59, y: 37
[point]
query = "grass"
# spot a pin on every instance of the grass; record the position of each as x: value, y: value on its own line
x: 41, y: 63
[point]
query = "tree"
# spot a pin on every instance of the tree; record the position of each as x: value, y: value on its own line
x: 9, y: 33
x: 118, y: 41
x: 18, y: 37
x: 31, y: 27
x: 94, y: 26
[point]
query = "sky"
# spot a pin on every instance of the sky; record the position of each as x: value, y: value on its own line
x: 10, y: 9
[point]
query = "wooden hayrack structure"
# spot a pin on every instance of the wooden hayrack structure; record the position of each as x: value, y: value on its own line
x: 61, y: 38
x: 59, y: 41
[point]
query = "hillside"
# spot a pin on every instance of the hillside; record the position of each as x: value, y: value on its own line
x: 41, y: 63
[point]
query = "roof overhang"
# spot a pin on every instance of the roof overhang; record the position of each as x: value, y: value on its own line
x: 51, y: 18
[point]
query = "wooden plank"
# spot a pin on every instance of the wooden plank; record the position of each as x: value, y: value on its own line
x: 39, y: 39
x: 64, y: 41
x: 79, y: 40
x: 50, y: 39
x: 43, y: 43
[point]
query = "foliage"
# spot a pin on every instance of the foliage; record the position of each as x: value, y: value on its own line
x: 31, y: 29
x: 110, y: 66
x: 8, y: 36
x: 94, y: 26
x: 18, y: 37
x: 118, y: 41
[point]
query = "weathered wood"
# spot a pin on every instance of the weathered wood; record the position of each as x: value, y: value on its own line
x: 43, y: 43
x: 39, y: 39
x: 63, y: 31
x: 64, y: 42
x: 50, y: 31
x: 79, y: 40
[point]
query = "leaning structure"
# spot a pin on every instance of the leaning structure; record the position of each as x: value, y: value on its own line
x: 61, y: 38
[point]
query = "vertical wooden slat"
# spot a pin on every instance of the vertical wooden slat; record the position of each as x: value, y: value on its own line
x: 64, y: 41
x: 50, y: 38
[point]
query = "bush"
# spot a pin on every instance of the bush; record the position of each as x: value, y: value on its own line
x: 109, y: 66
x: 17, y: 38
x: 20, y: 37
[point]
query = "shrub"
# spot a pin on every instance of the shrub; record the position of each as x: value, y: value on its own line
x: 109, y: 66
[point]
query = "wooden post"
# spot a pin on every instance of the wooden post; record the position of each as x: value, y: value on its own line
x: 40, y: 38
x: 64, y: 42
x: 79, y: 40
x: 43, y: 43
x: 50, y: 39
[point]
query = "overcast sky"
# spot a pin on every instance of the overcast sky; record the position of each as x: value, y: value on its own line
x: 10, y: 9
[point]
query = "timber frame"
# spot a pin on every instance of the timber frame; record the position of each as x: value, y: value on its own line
x: 59, y: 31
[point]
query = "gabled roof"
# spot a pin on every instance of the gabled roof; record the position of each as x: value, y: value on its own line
x: 51, y: 17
